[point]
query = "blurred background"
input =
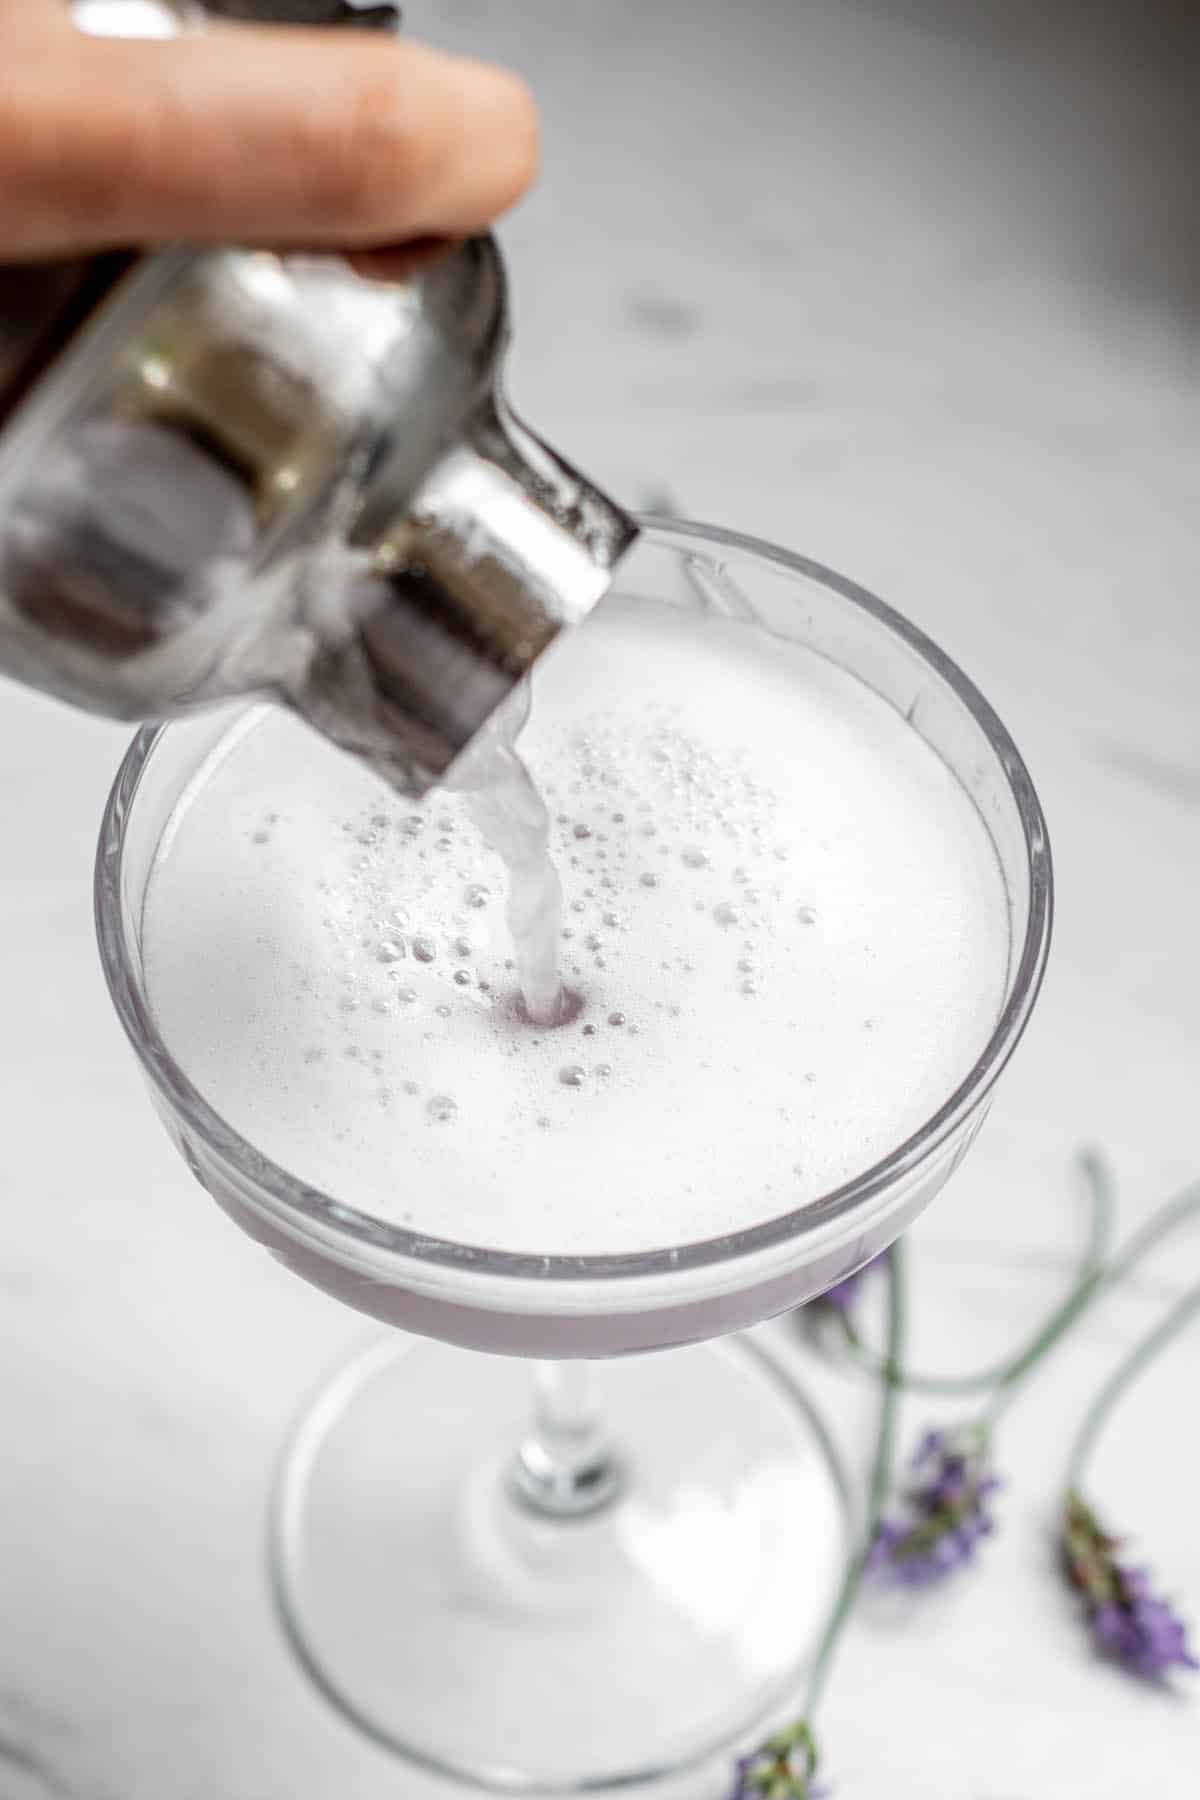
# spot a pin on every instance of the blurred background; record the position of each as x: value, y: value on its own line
x: 914, y: 288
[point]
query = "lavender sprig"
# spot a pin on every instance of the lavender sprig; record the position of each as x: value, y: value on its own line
x: 791, y: 1756
x: 1129, y: 1622
x: 784, y: 1768
x: 946, y: 1513
x: 944, y: 1509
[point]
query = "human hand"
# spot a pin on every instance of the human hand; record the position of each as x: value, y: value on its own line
x: 277, y: 137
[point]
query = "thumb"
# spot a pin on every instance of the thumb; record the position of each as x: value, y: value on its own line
x: 254, y: 135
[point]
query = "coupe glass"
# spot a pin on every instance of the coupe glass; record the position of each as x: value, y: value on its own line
x: 624, y: 1576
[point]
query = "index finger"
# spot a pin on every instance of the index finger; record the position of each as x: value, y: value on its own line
x: 256, y: 135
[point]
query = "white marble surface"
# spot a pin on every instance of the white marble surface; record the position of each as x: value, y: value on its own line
x: 919, y: 297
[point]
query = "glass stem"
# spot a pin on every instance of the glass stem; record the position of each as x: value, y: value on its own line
x: 566, y: 1466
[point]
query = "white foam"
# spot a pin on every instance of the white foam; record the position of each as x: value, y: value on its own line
x: 784, y: 892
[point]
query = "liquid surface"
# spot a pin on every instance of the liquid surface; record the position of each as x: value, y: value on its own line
x: 783, y: 922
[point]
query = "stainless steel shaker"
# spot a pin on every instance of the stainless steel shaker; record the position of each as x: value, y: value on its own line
x: 225, y: 472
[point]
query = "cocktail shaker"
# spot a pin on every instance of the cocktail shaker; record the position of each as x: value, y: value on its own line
x: 225, y: 472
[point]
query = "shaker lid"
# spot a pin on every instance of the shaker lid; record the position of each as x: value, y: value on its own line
x: 481, y: 544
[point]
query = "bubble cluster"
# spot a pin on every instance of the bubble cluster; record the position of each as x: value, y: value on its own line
x: 662, y: 845
x: 730, y: 924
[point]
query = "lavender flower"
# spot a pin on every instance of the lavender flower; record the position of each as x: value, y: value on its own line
x: 944, y: 1510
x: 842, y: 1297
x: 1128, y: 1623
x: 781, y: 1769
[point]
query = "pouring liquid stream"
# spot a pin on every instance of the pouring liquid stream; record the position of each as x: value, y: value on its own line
x: 507, y: 808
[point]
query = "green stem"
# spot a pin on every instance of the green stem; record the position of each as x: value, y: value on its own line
x: 1140, y: 1244
x: 1157, y: 1227
x: 1006, y: 1378
x: 1122, y: 1379
x: 878, y: 1488
x: 1102, y: 1196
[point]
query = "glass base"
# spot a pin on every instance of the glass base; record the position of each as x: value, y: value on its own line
x: 524, y: 1653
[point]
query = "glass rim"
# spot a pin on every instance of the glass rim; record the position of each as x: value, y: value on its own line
x: 371, y: 1234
